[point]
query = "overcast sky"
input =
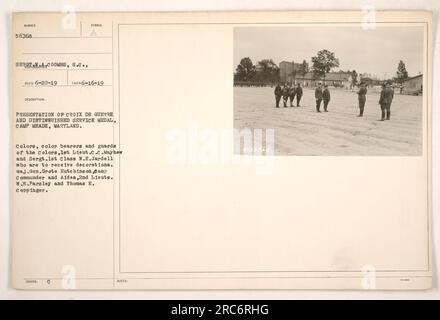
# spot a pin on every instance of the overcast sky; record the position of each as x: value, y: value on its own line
x: 375, y: 51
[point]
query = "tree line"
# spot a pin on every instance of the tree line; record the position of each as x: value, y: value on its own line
x: 267, y: 72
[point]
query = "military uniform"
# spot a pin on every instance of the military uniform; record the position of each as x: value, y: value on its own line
x: 386, y: 97
x: 292, y: 93
x: 326, y: 98
x: 382, y: 102
x: 362, y: 99
x: 318, y: 98
x: 278, y: 93
x: 299, y: 93
x: 285, y: 95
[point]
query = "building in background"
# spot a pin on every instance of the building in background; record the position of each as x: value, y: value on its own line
x: 288, y: 71
x: 338, y: 79
x: 413, y: 85
x: 335, y: 79
x: 371, y: 82
x: 369, y: 79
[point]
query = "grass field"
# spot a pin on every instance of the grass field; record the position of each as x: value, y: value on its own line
x: 303, y: 131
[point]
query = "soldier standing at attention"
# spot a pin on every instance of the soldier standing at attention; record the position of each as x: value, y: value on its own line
x: 292, y: 93
x: 326, y: 97
x: 362, y: 98
x: 382, y: 102
x: 278, y: 93
x: 389, y: 95
x: 318, y: 97
x: 285, y: 95
x: 299, y: 93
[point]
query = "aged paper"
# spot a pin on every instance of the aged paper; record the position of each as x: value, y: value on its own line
x: 149, y: 153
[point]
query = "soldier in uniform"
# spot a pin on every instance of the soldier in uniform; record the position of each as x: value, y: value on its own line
x: 299, y: 93
x: 278, y: 93
x: 388, y: 98
x: 382, y: 101
x: 362, y: 98
x: 318, y: 97
x: 285, y: 95
x: 292, y: 93
x: 326, y: 97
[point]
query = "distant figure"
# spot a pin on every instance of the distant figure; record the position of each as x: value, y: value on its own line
x: 278, y: 93
x: 326, y: 97
x: 388, y: 95
x: 299, y: 93
x: 362, y: 98
x: 292, y: 93
x: 285, y: 95
x: 382, y: 101
x: 318, y: 97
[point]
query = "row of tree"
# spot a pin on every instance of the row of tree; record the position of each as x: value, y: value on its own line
x: 267, y: 72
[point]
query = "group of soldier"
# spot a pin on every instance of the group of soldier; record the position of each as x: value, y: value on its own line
x: 288, y: 92
x: 322, y: 95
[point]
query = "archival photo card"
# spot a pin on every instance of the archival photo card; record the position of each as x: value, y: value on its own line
x: 330, y: 89
x: 221, y: 150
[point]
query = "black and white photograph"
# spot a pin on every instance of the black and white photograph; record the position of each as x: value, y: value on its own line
x: 330, y: 90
